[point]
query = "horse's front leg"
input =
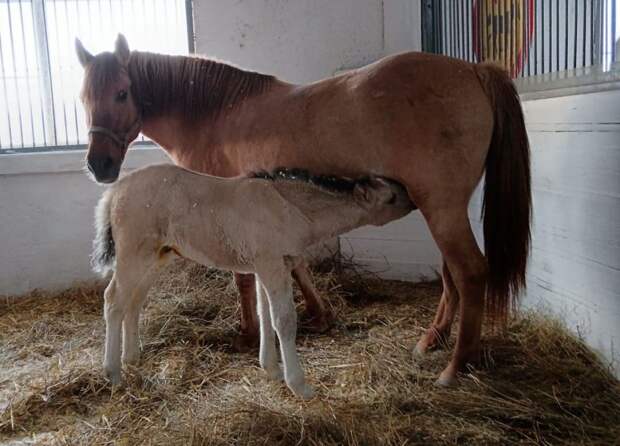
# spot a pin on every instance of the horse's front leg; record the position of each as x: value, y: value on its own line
x: 320, y: 316
x: 249, y: 327
x: 277, y: 283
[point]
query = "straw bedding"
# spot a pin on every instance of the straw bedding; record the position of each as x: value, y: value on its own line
x: 537, y: 383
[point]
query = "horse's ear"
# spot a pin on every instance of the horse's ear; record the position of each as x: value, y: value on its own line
x: 83, y: 55
x: 122, y: 50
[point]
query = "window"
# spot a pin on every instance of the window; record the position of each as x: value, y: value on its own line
x: 40, y: 75
x: 527, y: 37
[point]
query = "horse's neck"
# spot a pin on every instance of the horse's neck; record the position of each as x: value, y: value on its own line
x: 187, y: 108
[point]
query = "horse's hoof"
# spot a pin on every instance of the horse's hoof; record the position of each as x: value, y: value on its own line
x: 420, y: 349
x: 446, y: 379
x: 244, y: 343
x: 318, y: 323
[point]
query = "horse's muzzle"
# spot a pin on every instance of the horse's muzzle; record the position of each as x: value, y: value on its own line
x: 103, y: 168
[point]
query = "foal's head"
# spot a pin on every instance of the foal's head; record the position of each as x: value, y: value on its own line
x: 112, y: 114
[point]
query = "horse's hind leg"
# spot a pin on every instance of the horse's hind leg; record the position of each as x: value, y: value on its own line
x: 320, y: 316
x: 468, y: 268
x: 439, y: 332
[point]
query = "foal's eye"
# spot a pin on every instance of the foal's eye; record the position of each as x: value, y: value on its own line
x: 121, y: 96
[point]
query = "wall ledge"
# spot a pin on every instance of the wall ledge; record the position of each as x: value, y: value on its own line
x: 72, y: 160
x: 569, y: 83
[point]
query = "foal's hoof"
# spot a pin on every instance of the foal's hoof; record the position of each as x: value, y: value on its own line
x: 318, y: 323
x: 275, y: 374
x: 244, y: 343
x: 114, y: 376
x: 304, y: 392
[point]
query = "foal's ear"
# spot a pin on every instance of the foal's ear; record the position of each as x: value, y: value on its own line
x: 83, y: 55
x: 122, y: 50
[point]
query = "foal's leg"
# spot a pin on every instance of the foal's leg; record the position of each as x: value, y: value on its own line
x: 113, y: 315
x: 131, y: 321
x: 277, y: 282
x: 249, y: 336
x: 268, y: 355
x: 468, y: 267
x: 321, y: 317
x: 439, y: 332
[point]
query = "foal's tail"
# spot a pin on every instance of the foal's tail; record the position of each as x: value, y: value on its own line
x: 104, y: 252
x: 507, y: 205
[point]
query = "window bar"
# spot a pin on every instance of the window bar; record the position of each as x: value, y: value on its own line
x: 501, y: 24
x: 542, y: 35
x: 585, y: 21
x: 505, y: 29
x: 527, y: 54
x: 452, y: 33
x: 575, y: 43
x: 566, y: 35
x: 463, y: 31
x: 443, y: 8
x: 513, y: 37
x: 19, y: 102
x: 550, y: 37
x: 613, y: 30
x: 440, y: 35
x: 535, y: 17
x: 6, y: 95
x: 60, y: 77
x: 75, y: 114
x: 592, y: 34
x: 43, y: 58
x: 28, y: 90
x: 494, y: 29
x: 39, y: 74
x: 468, y: 30
x: 457, y: 23
x: 557, y: 35
x: 481, y: 26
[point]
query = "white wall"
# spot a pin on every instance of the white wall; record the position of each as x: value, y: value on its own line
x: 574, y: 269
x: 307, y: 40
x: 304, y: 40
x: 46, y: 218
x: 46, y: 200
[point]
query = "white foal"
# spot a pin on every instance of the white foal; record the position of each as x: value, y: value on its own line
x: 248, y: 225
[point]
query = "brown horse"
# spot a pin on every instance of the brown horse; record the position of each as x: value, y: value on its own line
x: 432, y: 123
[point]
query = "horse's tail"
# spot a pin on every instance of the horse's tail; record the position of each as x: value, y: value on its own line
x: 507, y: 205
x: 104, y: 252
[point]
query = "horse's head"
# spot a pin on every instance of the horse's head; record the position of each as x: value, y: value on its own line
x: 112, y: 114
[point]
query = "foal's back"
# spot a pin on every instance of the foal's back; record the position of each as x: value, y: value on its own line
x: 230, y: 222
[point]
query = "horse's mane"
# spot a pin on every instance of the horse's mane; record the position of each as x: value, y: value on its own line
x: 193, y: 86
x: 330, y: 183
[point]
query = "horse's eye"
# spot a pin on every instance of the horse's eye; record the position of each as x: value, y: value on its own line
x: 121, y: 96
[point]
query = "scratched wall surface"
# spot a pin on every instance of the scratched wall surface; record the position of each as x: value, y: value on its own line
x: 574, y: 269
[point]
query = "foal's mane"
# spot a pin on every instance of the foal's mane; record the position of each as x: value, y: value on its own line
x: 193, y: 86
x: 330, y: 183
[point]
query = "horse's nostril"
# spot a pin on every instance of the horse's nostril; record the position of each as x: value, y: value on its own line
x: 107, y: 163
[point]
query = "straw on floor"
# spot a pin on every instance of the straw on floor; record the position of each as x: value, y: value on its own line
x: 537, y: 384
